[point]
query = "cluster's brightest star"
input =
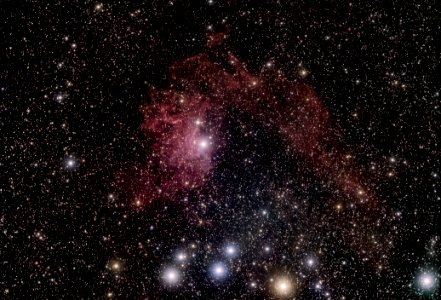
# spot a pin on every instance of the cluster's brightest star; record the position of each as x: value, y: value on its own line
x: 171, y: 276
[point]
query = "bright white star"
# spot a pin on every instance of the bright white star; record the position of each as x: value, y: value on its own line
x: 171, y: 276
x: 283, y: 287
x: 203, y: 144
x: 218, y: 271
x: 426, y: 280
x: 231, y: 250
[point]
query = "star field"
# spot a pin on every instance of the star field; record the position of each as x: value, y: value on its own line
x: 220, y: 150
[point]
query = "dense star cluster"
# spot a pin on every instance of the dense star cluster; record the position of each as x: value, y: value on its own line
x: 220, y: 150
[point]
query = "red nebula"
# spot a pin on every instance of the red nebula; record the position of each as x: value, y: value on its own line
x: 183, y: 124
x: 185, y: 134
x: 183, y: 145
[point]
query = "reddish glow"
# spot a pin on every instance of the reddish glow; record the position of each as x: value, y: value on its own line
x: 179, y: 121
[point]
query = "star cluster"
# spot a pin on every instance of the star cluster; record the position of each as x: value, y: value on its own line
x: 220, y: 150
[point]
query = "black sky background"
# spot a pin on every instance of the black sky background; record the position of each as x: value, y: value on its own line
x: 118, y: 58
